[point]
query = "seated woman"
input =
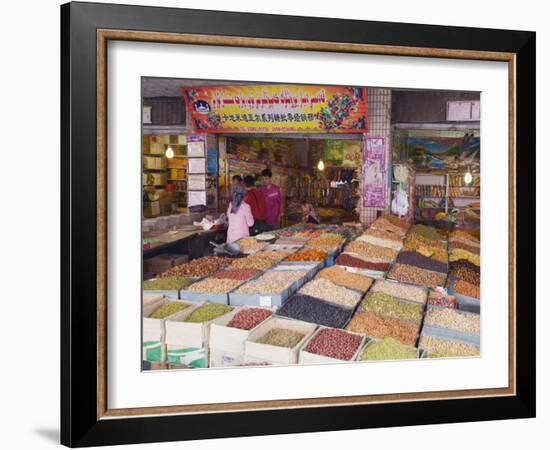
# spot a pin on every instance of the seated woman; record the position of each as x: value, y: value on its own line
x: 239, y: 216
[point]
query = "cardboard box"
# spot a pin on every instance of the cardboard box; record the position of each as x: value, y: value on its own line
x: 314, y: 358
x: 229, y: 339
x: 272, y: 353
x: 161, y: 263
x: 154, y: 331
x: 223, y: 358
x: 179, y: 356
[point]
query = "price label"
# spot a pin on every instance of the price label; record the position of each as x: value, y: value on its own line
x: 265, y: 300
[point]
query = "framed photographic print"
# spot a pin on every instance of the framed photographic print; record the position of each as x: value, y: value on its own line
x: 319, y: 224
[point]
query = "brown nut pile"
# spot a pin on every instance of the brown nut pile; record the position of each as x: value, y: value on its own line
x: 259, y: 261
x: 465, y: 274
x: 414, y: 241
x: 236, y: 274
x: 337, y: 344
x: 441, y: 348
x: 326, y: 242
x: 330, y: 292
x: 455, y: 320
x: 214, y: 285
x: 378, y: 326
x: 405, y: 291
x: 438, y: 299
x: 248, y: 318
x: 465, y: 288
x: 250, y: 244
x: 350, y: 260
x: 374, y: 252
x: 342, y: 277
x: 391, y: 224
x: 414, y: 275
x: 199, y: 267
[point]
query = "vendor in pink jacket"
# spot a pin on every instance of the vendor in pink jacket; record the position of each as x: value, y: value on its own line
x: 239, y: 216
x: 273, y: 199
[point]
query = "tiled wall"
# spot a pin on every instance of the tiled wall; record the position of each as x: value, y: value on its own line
x: 379, y: 111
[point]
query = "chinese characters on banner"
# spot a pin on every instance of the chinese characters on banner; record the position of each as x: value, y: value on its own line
x: 277, y: 109
x: 374, y: 172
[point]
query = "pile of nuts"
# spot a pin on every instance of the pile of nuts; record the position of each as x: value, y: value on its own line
x: 271, y: 282
x: 250, y: 244
x: 436, y: 298
x: 308, y: 254
x: 199, y: 267
x: 378, y: 326
x: 260, y: 260
x: 441, y: 348
x: 281, y: 337
x: 214, y: 285
x: 342, y: 277
x: 382, y: 238
x: 207, y: 312
x: 327, y: 290
x: 414, y: 275
x: 392, y: 224
x: 314, y: 310
x: 387, y: 305
x: 248, y: 318
x: 346, y: 259
x: 461, y: 263
x: 374, y: 252
x: 455, y: 320
x: 415, y: 242
x: 413, y: 293
x: 168, y: 309
x: 337, y: 344
x: 327, y: 241
x: 466, y: 274
x: 235, y: 274
x: 166, y: 283
x: 465, y: 288
x: 418, y: 260
x: 387, y: 349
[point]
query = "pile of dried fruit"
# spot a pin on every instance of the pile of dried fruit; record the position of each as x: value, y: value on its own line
x: 418, y: 260
x: 281, y: 337
x: 387, y: 305
x: 440, y: 348
x: 414, y: 275
x: 378, y: 326
x: 260, y: 260
x: 199, y: 267
x: 272, y: 282
x: 250, y: 244
x: 414, y: 241
x: 465, y: 288
x: 413, y: 293
x: 427, y: 232
x: 308, y: 254
x: 349, y: 260
x: 455, y: 320
x: 459, y: 253
x: 248, y: 318
x: 166, y: 284
x: 235, y: 274
x: 465, y: 274
x: 373, y: 252
x: 168, y: 309
x: 327, y: 241
x: 387, y: 349
x: 342, y: 277
x: 392, y: 224
x: 214, y: 285
x: 207, y: 312
x: 327, y: 290
x: 436, y: 298
x: 314, y: 310
x: 460, y: 245
x: 332, y: 343
x: 382, y: 238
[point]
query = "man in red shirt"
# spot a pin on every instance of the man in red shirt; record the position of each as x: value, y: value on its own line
x: 256, y: 200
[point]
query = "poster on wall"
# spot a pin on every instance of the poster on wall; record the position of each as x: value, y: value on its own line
x: 374, y: 172
x: 277, y: 109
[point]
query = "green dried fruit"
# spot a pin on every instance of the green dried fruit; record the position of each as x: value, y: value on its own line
x: 168, y: 309
x: 166, y: 284
x: 387, y: 348
x: 387, y: 305
x: 208, y: 312
x: 281, y: 338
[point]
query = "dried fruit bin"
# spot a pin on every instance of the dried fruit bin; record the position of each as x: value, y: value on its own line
x: 465, y: 302
x: 229, y: 339
x: 370, y: 341
x: 272, y: 353
x: 306, y: 357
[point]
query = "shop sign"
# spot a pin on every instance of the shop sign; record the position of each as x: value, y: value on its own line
x: 374, y: 172
x: 277, y: 109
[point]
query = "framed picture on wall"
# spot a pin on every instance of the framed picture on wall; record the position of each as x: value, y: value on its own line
x: 262, y: 302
